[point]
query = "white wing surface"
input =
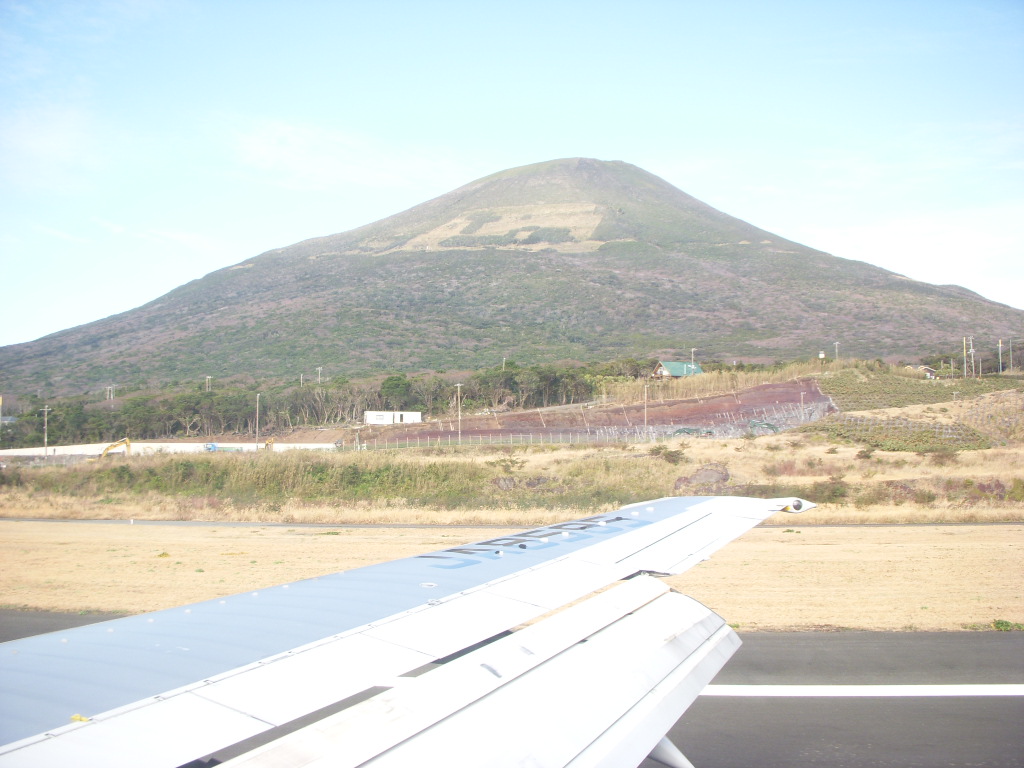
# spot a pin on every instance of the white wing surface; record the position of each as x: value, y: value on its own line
x: 469, y: 653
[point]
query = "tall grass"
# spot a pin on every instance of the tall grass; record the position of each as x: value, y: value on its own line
x: 521, y: 486
x: 379, y: 477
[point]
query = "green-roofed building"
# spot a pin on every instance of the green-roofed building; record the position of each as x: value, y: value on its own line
x: 671, y: 370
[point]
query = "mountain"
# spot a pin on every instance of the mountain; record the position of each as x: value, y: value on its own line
x: 574, y: 259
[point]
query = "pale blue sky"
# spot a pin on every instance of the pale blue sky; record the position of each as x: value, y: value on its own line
x: 145, y: 143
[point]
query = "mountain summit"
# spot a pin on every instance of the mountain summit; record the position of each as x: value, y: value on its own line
x: 569, y: 259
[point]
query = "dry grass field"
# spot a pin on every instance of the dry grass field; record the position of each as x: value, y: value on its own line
x: 893, y: 578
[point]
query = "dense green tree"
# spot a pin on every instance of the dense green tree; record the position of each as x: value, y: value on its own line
x: 396, y: 392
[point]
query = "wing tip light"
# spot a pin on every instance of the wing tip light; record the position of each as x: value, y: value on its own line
x: 793, y: 505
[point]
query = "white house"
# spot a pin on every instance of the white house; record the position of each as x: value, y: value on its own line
x: 392, y: 417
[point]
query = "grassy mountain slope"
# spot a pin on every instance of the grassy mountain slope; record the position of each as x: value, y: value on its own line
x: 569, y: 259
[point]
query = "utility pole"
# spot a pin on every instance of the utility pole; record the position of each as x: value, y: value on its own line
x: 208, y: 383
x: 1000, y: 355
x: 970, y: 341
x: 258, y: 421
x: 965, y: 357
x: 46, y: 441
x: 692, y: 350
x: 318, y: 370
x: 645, y: 406
x: 837, y: 350
x: 458, y: 400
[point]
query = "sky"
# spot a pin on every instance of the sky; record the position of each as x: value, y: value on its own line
x: 146, y: 143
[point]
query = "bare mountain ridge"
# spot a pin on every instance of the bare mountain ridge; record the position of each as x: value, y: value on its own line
x: 570, y: 259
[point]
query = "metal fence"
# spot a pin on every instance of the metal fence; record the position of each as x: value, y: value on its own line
x: 725, y: 424
x: 1000, y: 415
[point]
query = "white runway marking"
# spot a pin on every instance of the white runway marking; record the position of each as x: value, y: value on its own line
x: 839, y: 691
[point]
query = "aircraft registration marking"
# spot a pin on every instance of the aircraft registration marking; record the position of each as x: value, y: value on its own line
x: 559, y: 534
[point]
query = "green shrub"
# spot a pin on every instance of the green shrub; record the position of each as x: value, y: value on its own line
x: 1002, y: 625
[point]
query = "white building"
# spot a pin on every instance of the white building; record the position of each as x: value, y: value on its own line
x: 392, y: 417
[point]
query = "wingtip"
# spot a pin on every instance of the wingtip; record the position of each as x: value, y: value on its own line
x: 793, y: 505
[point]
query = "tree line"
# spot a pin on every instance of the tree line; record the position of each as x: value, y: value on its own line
x: 206, y: 411
x: 221, y: 410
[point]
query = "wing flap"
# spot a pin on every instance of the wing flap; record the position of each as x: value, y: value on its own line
x: 442, y: 629
x: 560, y: 680
x: 634, y: 735
x: 295, y: 685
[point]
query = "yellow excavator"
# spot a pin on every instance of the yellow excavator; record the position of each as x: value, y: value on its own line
x: 122, y: 443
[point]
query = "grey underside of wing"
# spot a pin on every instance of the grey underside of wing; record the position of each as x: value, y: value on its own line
x: 200, y: 678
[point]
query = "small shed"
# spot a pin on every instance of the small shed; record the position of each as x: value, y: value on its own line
x: 672, y: 370
x: 928, y: 371
x: 392, y: 417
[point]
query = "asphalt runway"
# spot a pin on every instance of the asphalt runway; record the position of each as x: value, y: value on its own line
x: 836, y: 729
x: 747, y: 719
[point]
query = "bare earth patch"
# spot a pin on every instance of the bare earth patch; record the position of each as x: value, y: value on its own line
x: 946, y: 577
x: 810, y: 578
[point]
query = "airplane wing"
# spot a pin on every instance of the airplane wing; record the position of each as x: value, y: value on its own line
x: 551, y: 647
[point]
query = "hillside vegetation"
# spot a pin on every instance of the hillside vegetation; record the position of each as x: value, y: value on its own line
x: 574, y: 259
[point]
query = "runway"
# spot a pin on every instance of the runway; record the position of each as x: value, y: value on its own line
x: 956, y: 717
x: 797, y: 699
